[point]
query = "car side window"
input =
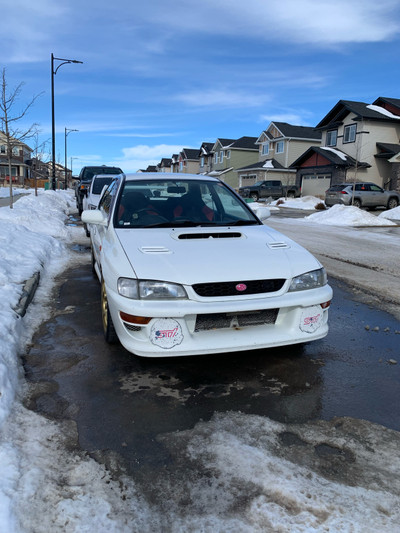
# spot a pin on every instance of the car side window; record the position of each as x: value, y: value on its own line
x: 108, y: 197
x: 376, y: 188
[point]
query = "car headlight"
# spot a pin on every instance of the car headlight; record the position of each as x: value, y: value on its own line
x: 150, y: 290
x: 309, y: 280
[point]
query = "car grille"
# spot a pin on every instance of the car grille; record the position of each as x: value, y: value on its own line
x: 230, y: 288
x: 235, y: 320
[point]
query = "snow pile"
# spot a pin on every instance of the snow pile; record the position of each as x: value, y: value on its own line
x: 305, y: 202
x: 343, y: 215
x: 391, y: 214
x: 257, y: 475
x: 27, y: 245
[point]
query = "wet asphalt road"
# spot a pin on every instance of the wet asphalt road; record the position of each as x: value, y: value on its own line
x: 122, y: 403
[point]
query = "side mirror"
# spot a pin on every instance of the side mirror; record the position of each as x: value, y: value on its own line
x: 94, y: 216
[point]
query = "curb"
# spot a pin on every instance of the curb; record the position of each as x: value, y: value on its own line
x: 27, y: 295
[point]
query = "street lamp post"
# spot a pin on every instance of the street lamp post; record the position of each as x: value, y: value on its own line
x: 53, y: 125
x: 67, y: 132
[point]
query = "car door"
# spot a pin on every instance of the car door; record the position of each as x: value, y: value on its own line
x: 362, y: 191
x: 378, y: 196
x: 97, y: 231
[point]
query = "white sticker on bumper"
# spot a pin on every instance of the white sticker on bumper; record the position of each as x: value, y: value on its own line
x: 166, y: 333
x: 311, y: 319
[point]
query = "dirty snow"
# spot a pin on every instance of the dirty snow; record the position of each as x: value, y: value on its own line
x: 250, y: 474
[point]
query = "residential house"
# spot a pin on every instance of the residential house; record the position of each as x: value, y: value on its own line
x: 20, y: 154
x: 359, y: 142
x: 206, y: 157
x: 165, y: 164
x: 232, y: 154
x: 279, y: 145
x: 189, y: 161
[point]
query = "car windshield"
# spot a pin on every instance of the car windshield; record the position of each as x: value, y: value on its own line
x: 92, y: 171
x: 179, y: 203
x: 336, y: 188
x: 99, y: 183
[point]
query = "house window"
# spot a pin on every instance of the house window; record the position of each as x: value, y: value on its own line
x: 265, y: 149
x: 350, y: 133
x: 221, y: 156
x: 3, y: 149
x: 228, y: 154
x: 15, y: 150
x: 202, y: 161
x: 216, y: 157
x: 331, y: 138
x: 279, y: 147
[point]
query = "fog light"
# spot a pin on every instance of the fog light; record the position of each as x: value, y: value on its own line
x: 132, y: 319
x: 325, y: 305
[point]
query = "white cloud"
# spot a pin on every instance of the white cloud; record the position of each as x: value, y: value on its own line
x: 222, y: 98
x: 308, y: 21
x: 141, y: 156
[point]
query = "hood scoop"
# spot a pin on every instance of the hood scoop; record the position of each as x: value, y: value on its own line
x: 155, y: 250
x: 211, y: 235
x: 278, y: 245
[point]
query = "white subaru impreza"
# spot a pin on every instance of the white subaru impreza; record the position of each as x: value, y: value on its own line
x: 187, y: 268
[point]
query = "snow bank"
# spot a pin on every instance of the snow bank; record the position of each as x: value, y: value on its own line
x: 305, y: 202
x: 391, y: 214
x: 343, y: 215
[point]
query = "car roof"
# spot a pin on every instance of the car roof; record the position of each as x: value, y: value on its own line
x: 163, y: 176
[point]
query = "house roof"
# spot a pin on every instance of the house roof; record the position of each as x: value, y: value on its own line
x: 248, y: 143
x: 206, y: 148
x: 382, y: 100
x: 387, y: 150
x: 190, y: 153
x: 225, y: 143
x: 333, y: 155
x: 268, y: 164
x: 297, y: 132
x: 362, y: 110
x: 165, y: 162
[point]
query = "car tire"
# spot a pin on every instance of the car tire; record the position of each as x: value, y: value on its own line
x: 110, y: 334
x: 392, y: 203
x: 254, y: 196
x: 357, y: 202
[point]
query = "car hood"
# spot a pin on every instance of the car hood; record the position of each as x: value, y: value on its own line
x: 196, y: 255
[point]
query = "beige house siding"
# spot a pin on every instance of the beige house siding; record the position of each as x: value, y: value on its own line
x: 364, y: 148
x: 238, y: 158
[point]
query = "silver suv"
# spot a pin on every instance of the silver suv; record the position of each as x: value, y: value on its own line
x: 361, y: 195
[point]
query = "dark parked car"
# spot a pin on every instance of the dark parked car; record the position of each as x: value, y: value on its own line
x: 361, y: 195
x: 269, y: 189
x: 85, y: 179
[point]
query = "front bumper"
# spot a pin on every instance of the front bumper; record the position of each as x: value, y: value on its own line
x: 175, y: 328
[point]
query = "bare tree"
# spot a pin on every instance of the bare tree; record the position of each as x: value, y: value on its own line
x: 14, y: 136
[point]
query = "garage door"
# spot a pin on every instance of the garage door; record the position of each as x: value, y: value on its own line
x: 315, y: 184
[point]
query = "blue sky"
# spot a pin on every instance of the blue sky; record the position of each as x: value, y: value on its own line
x: 158, y: 76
